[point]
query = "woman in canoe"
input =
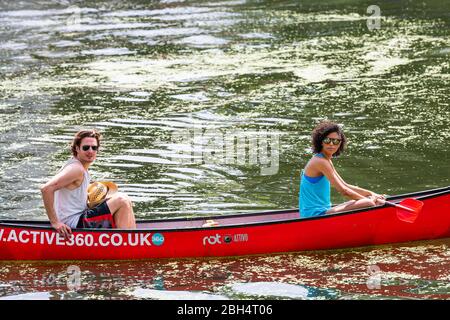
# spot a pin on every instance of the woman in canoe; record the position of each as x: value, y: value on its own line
x: 328, y: 141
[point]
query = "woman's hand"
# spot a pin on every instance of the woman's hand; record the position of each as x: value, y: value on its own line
x: 379, y: 199
x: 377, y: 196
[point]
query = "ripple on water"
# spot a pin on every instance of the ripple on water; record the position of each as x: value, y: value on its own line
x: 270, y: 289
x: 224, y: 3
x: 174, y: 295
x: 257, y: 35
x: 29, y: 296
x: 108, y: 52
x: 202, y: 41
x: 197, y: 96
x: 279, y: 290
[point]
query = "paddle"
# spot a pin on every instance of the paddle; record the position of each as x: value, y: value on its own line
x: 407, y: 210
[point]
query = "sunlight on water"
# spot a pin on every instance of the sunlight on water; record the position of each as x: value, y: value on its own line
x: 270, y: 289
x: 174, y: 295
x: 29, y: 296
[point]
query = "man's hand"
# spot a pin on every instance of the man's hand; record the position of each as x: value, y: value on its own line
x: 63, y: 229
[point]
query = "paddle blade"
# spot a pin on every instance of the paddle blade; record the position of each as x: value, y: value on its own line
x: 411, y: 210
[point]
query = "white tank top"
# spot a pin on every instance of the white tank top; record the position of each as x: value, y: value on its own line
x: 69, y: 204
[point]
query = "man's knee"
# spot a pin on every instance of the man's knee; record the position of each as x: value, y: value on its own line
x: 124, y: 199
x: 121, y: 200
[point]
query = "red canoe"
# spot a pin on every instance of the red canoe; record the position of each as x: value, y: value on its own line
x: 235, y: 235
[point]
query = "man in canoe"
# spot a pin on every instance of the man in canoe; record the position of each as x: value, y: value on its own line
x: 328, y: 141
x: 65, y: 195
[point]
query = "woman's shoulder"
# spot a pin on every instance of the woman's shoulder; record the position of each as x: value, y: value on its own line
x: 318, y: 157
x: 318, y: 162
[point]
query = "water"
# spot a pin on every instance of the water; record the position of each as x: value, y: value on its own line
x: 416, y: 271
x: 162, y: 79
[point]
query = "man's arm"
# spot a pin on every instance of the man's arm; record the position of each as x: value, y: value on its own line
x: 65, y: 178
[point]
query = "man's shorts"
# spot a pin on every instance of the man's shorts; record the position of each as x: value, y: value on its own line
x: 99, y: 217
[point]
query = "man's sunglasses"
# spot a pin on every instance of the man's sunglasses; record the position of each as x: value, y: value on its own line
x: 86, y: 148
x: 331, y: 140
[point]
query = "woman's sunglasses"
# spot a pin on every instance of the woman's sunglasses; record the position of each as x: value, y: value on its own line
x: 86, y: 148
x: 331, y: 140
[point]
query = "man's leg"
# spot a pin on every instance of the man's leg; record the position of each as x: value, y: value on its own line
x: 122, y: 211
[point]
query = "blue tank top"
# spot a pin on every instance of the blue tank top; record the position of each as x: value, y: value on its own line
x: 314, y: 197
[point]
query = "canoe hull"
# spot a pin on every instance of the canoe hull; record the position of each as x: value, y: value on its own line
x: 376, y: 226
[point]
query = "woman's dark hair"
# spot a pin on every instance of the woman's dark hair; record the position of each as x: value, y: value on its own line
x: 80, y: 135
x: 321, y: 131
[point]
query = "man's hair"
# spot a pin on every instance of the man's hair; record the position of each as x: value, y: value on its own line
x: 321, y: 131
x: 80, y: 135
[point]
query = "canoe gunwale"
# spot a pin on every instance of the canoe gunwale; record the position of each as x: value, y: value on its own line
x: 37, y: 224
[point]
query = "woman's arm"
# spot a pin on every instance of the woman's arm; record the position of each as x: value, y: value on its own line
x: 325, y: 167
x: 361, y: 191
